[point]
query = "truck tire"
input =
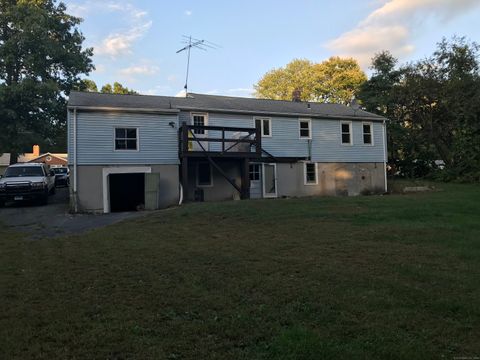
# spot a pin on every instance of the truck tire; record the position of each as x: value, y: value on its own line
x: 2, y: 203
x: 53, y: 191
x: 44, y: 199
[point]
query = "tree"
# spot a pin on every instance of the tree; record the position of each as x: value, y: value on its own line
x: 41, y: 59
x: 88, y: 85
x: 117, y: 89
x: 335, y: 80
x: 434, y: 109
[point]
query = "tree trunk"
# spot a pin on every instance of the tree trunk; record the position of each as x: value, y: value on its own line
x: 13, y: 157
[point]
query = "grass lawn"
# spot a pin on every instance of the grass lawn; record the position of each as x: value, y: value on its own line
x: 379, y: 277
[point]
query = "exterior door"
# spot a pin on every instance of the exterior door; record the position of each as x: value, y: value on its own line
x: 200, y: 119
x: 269, y: 180
x: 255, y: 181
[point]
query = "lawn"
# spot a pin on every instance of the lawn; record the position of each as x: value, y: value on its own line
x: 374, y: 277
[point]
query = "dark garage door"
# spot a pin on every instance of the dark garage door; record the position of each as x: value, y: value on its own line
x: 127, y: 192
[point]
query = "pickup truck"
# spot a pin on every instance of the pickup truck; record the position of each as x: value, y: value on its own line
x: 29, y: 181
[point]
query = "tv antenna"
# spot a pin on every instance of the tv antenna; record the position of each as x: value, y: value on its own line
x: 194, y: 43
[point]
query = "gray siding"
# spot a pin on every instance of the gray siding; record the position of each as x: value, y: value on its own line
x: 325, y: 145
x: 158, y: 142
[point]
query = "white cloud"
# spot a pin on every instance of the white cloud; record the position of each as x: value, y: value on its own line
x: 139, y: 70
x: 134, y: 21
x: 242, y: 92
x: 188, y: 12
x: 172, y: 78
x: 391, y: 26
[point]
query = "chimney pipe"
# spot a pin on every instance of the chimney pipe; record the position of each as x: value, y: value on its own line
x: 36, y: 150
x: 297, y: 95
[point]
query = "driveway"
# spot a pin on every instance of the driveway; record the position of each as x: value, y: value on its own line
x: 54, y: 220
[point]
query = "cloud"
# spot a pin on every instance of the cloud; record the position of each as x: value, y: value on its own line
x: 139, y: 70
x: 391, y: 26
x: 242, y: 92
x: 120, y: 42
x: 188, y: 12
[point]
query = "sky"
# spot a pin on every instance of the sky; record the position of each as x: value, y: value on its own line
x: 135, y: 41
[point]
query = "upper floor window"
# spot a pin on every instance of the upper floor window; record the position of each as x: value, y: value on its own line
x: 367, y: 133
x: 266, y: 126
x: 311, y: 177
x: 346, y: 128
x: 199, y: 120
x: 305, y: 127
x: 126, y: 139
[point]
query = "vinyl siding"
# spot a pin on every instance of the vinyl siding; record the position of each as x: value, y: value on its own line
x: 325, y: 145
x: 157, y: 140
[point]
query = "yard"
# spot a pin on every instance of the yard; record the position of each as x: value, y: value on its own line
x: 375, y: 277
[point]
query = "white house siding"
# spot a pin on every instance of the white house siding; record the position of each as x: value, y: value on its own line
x: 157, y: 139
x: 325, y: 145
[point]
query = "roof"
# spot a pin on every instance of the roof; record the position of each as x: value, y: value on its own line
x: 215, y: 103
x: 28, y: 157
x: 58, y: 156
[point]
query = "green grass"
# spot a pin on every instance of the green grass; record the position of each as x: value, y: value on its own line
x: 377, y: 277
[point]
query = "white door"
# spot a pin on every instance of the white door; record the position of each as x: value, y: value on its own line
x: 201, y: 120
x: 255, y: 181
x: 269, y: 180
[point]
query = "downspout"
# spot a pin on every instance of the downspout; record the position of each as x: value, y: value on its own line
x: 75, y: 175
x: 385, y: 155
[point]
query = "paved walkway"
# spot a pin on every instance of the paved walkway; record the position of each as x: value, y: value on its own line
x: 54, y: 219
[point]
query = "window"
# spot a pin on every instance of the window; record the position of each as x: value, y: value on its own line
x: 199, y: 120
x: 305, y: 128
x: 311, y: 174
x: 367, y: 133
x: 346, y: 133
x: 126, y: 139
x: 266, y: 126
x: 204, y: 174
x: 254, y: 172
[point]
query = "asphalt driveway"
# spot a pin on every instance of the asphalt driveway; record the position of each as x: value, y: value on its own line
x: 54, y: 219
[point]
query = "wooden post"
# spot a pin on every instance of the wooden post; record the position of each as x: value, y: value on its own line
x: 258, y: 138
x: 245, y: 178
x: 184, y: 138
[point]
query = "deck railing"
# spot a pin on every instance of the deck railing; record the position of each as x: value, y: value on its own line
x: 201, y: 140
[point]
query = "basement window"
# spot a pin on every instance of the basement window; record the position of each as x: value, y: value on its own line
x: 126, y: 139
x: 311, y: 177
x: 305, y: 128
x: 204, y: 174
x: 367, y: 133
x: 346, y: 128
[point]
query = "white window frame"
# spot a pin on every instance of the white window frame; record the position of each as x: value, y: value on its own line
x: 371, y: 133
x: 197, y: 177
x: 309, y: 121
x: 350, y: 127
x: 305, y: 173
x: 259, y: 171
x: 137, y: 130
x: 205, y: 116
x: 263, y: 118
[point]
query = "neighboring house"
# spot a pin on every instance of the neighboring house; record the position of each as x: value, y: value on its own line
x: 134, y: 151
x: 50, y: 159
x: 4, y: 162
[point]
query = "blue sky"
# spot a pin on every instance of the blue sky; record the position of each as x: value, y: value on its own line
x: 135, y: 40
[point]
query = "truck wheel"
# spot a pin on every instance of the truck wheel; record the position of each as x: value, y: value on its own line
x: 2, y: 203
x: 52, y: 192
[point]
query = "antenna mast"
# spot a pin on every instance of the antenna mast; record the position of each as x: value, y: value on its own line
x: 194, y: 43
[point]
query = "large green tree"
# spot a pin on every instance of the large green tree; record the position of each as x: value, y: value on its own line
x: 41, y: 60
x: 117, y: 88
x: 434, y: 108
x: 335, y: 80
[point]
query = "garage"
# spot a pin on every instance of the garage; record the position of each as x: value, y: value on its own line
x: 127, y: 192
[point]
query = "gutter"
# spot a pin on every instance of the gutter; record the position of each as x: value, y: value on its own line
x: 125, y: 109
x: 385, y: 155
x: 75, y: 175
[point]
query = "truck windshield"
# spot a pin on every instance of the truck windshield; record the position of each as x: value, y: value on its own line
x: 24, y: 171
x: 60, y: 170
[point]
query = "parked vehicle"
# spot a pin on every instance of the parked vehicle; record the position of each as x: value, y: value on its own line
x: 21, y: 182
x: 62, y: 176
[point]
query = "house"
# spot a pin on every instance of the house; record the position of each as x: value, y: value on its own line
x: 50, y: 159
x: 134, y: 151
